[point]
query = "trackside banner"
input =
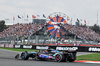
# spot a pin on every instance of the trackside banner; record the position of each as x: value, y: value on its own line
x: 9, y: 45
x: 42, y: 47
x: 78, y: 48
x: 17, y: 46
x: 66, y: 48
x: 2, y: 45
x: 93, y: 49
x: 25, y: 46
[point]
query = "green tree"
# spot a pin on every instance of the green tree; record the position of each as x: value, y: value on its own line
x: 2, y: 25
x: 95, y: 28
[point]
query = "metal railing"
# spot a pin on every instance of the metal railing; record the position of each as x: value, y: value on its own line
x: 40, y: 40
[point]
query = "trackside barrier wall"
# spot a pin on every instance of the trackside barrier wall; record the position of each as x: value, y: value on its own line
x: 78, y: 48
x: 2, y: 45
x: 7, y: 45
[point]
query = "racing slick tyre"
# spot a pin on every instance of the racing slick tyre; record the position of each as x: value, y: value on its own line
x: 60, y: 58
x: 24, y: 55
x: 72, y: 58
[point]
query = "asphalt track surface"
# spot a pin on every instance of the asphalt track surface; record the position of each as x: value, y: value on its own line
x: 7, y: 59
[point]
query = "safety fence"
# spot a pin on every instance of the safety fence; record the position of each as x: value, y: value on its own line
x: 36, y: 40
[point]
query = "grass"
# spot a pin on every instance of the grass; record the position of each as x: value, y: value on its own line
x: 92, y: 57
x: 20, y: 50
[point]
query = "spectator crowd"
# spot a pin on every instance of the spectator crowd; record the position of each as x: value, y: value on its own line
x: 83, y: 32
x: 28, y: 29
x: 21, y: 30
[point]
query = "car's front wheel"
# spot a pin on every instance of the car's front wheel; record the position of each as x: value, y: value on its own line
x: 24, y: 55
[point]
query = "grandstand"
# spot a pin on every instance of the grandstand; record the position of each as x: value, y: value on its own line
x: 36, y: 33
x: 83, y: 32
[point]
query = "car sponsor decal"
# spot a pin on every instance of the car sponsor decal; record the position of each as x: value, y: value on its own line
x: 45, y: 56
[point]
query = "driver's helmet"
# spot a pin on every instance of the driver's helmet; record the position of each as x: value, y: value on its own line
x: 46, y: 51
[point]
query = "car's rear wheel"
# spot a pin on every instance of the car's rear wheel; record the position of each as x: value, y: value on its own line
x: 72, y: 58
x: 24, y: 55
x: 60, y: 58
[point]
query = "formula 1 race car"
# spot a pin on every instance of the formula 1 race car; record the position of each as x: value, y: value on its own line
x: 50, y: 54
